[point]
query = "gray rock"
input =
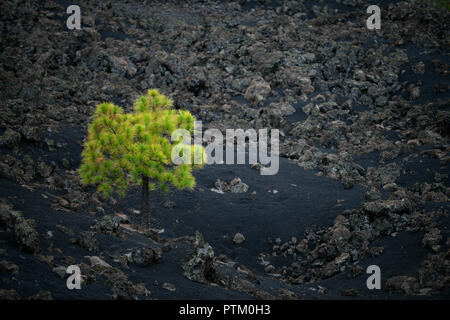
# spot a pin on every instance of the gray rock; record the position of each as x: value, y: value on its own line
x: 199, y: 266
x: 122, y: 66
x: 257, y: 91
x: 26, y: 235
x: 87, y: 240
x: 238, y: 238
x: 9, y: 267
x: 419, y: 68
x: 432, y: 238
x: 9, y: 138
x: 146, y: 256
x: 107, y: 224
x: 9, y: 294
x: 408, y: 285
x: 234, y: 186
x: 381, y: 207
x: 282, y: 108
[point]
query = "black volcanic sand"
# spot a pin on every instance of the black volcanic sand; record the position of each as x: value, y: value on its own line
x: 51, y: 80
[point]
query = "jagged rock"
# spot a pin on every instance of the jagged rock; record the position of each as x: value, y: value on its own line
x: 287, y: 295
x: 42, y: 295
x: 9, y: 267
x: 107, y: 224
x: 340, y: 233
x: 122, y: 66
x: 199, y: 265
x: 117, y: 280
x: 87, y: 240
x: 73, y: 200
x: 434, y: 271
x: 350, y: 292
x: 414, y: 92
x: 354, y: 270
x: 376, y: 251
x: 435, y: 196
x: 302, y: 247
x: 145, y: 256
x: 234, y: 186
x: 24, y: 229
x: 257, y: 91
x: 7, y: 215
x: 9, y: 294
x: 97, y: 261
x: 265, y: 61
x: 121, y: 287
x: 169, y: 286
x: 9, y: 138
x: 381, y: 207
x: 238, y: 238
x: 305, y: 85
x: 169, y: 204
x: 432, y: 238
x: 44, y: 170
x: 373, y: 194
x: 60, y: 271
x: 419, y: 68
x: 270, y: 269
x: 235, y: 277
x: 282, y: 109
x: 66, y: 230
x: 32, y: 133
x: 26, y: 235
x: 196, y: 80
x: 342, y: 259
x: 443, y: 122
x: 142, y: 290
x: 329, y: 270
x: 408, y: 285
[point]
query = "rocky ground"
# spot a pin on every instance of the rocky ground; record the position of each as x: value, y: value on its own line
x: 364, y: 121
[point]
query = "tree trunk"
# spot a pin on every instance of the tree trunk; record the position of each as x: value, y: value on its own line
x: 145, y: 212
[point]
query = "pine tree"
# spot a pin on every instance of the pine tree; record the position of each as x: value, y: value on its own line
x: 127, y: 149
